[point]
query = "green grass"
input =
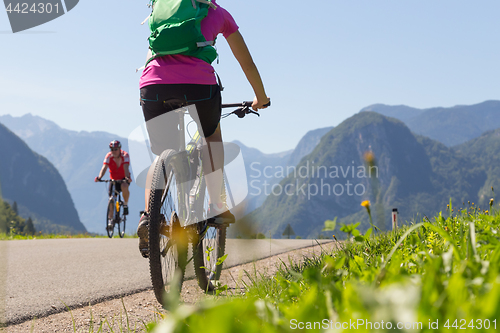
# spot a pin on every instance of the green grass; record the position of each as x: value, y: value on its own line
x: 435, y: 276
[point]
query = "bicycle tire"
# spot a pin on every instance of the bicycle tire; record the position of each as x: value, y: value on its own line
x: 206, y: 255
x: 122, y: 222
x: 209, y: 248
x: 111, y: 206
x: 167, y: 239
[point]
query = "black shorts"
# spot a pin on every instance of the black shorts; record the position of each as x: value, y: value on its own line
x: 158, y: 99
x: 118, y: 187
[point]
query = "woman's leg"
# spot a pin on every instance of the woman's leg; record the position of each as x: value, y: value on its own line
x: 213, y: 164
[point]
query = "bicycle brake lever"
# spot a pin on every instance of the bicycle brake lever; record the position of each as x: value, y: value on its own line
x: 240, y: 112
x: 243, y: 111
x: 251, y: 111
x: 248, y: 110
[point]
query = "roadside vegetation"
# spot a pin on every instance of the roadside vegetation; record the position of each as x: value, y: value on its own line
x: 439, y: 275
x: 11, y: 223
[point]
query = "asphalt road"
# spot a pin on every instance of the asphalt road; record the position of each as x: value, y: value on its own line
x: 45, y: 276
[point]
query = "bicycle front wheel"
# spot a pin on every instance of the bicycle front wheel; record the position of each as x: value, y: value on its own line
x: 110, y: 217
x: 207, y: 257
x: 210, y: 247
x: 122, y: 222
x: 167, y: 238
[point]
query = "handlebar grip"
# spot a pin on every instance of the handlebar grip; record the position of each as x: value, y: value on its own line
x: 249, y: 104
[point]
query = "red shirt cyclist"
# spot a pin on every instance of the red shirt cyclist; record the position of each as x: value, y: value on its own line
x: 118, y: 161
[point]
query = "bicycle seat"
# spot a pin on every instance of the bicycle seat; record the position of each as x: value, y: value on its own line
x: 173, y: 104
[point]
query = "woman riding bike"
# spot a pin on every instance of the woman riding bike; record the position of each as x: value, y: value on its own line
x: 172, y: 81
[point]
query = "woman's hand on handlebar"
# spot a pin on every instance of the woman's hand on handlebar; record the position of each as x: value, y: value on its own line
x: 261, y: 103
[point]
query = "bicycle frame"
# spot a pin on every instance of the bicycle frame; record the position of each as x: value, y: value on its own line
x: 196, y: 169
x: 178, y: 201
x: 117, y: 198
x: 194, y: 175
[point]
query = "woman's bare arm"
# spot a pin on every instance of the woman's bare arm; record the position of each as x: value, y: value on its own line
x: 242, y: 54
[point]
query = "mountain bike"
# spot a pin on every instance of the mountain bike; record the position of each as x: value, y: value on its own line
x: 178, y: 205
x: 114, y: 213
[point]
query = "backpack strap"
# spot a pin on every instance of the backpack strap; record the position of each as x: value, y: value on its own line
x: 207, y: 43
x: 207, y: 2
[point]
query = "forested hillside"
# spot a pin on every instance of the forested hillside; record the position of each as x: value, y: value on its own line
x: 36, y: 186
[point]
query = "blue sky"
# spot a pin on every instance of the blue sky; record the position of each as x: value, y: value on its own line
x: 321, y: 61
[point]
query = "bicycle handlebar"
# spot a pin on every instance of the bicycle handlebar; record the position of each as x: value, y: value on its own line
x: 119, y: 181
x: 242, y: 109
x: 244, y: 104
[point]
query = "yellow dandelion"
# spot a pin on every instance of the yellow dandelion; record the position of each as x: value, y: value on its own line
x: 366, y: 204
x: 369, y: 157
x: 486, y: 211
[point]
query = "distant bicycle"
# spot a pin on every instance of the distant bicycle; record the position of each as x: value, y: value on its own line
x: 114, y: 213
x: 178, y: 205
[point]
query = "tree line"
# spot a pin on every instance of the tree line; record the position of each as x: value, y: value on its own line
x: 11, y: 223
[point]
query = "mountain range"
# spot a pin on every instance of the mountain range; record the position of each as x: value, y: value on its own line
x: 484, y: 152
x: 79, y: 155
x: 31, y: 181
x: 265, y: 170
x: 451, y: 126
x: 413, y: 173
x: 421, y: 161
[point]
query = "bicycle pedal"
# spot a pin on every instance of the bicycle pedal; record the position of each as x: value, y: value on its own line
x: 145, y: 253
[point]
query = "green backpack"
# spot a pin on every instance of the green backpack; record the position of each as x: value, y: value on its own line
x: 176, y: 29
